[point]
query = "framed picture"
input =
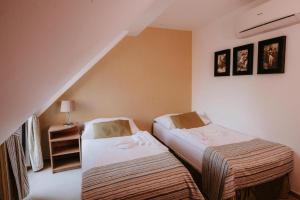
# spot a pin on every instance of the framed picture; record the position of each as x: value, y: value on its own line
x: 243, y: 60
x: 271, y: 56
x: 222, y: 63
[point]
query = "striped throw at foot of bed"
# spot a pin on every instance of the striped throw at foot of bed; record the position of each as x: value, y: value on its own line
x: 228, y: 168
x: 160, y: 176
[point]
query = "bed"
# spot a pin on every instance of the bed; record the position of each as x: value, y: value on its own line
x: 250, y: 161
x: 132, y: 167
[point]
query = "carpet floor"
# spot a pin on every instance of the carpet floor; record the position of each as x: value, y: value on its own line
x: 44, y: 185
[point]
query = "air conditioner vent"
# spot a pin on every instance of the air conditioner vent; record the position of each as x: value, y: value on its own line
x: 269, y: 16
x: 276, y: 20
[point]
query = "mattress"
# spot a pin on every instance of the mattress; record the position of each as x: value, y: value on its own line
x: 190, y: 144
x: 105, y: 151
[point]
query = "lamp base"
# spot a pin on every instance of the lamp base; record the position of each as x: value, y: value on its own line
x: 68, y: 120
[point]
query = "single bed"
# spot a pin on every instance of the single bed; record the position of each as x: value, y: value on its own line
x: 132, y: 167
x: 190, y: 144
x: 205, y: 149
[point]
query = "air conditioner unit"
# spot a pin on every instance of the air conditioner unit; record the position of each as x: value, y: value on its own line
x: 268, y: 16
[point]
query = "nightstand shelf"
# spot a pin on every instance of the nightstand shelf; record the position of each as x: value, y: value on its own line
x: 70, y: 137
x: 65, y: 147
x: 63, y: 164
x: 64, y: 151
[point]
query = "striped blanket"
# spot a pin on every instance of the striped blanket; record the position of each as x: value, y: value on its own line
x: 228, y: 168
x: 160, y: 176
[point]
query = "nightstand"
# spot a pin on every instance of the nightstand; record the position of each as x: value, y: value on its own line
x: 65, y: 147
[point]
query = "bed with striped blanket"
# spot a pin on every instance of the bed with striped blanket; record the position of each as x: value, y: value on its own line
x: 231, y: 167
x: 159, y: 176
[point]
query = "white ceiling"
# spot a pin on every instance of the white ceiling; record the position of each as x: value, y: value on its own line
x: 191, y: 14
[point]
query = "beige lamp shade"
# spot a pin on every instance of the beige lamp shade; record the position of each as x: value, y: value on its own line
x: 67, y: 106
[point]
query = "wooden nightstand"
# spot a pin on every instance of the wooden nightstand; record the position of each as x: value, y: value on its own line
x: 65, y: 147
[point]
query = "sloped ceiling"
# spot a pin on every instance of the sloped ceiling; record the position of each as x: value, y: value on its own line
x: 44, y: 44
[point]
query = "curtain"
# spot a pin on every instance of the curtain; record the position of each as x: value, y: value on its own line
x: 13, y: 173
x: 5, y: 190
x: 34, y: 143
x: 17, y: 163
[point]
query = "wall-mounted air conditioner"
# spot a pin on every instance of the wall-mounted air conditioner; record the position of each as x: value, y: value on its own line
x: 268, y: 16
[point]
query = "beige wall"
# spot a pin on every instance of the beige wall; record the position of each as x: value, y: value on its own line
x: 265, y: 106
x: 142, y: 77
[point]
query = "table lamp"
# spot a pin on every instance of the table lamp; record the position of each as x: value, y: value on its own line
x: 67, y: 106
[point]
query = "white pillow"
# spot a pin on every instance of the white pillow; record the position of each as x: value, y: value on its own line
x: 166, y: 121
x: 204, y: 118
x: 88, y: 132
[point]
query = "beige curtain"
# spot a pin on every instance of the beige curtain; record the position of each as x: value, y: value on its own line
x: 5, y: 190
x: 17, y: 163
x: 13, y: 173
x: 34, y: 143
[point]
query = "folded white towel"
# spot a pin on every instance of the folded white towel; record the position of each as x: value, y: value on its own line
x: 142, y: 138
x: 138, y: 140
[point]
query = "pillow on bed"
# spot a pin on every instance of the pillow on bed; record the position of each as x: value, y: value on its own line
x: 109, y: 129
x: 88, y: 132
x: 205, y: 119
x: 166, y: 121
x: 187, y: 120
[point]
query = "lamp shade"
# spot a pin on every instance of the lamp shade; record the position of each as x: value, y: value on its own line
x: 67, y: 106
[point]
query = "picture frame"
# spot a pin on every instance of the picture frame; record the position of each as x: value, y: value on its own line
x: 271, y: 56
x: 243, y: 60
x: 222, y: 63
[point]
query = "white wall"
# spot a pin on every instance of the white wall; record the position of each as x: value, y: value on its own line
x: 266, y: 106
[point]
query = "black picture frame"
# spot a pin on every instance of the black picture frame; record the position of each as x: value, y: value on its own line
x: 271, y: 56
x: 222, y: 63
x: 243, y: 60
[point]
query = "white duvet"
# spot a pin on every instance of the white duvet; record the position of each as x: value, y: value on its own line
x: 105, y: 151
x: 190, y: 144
x: 210, y: 135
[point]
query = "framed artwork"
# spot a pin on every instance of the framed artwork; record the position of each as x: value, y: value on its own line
x: 222, y: 63
x: 243, y: 60
x: 271, y: 56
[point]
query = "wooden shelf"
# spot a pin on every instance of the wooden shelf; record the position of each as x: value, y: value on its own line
x: 63, y: 165
x: 65, y: 147
x: 64, y: 138
x: 58, y: 128
x: 64, y: 151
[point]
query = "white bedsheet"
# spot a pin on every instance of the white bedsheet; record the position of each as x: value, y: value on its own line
x: 100, y: 152
x: 191, y: 143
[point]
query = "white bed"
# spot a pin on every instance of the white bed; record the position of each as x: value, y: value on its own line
x: 190, y: 144
x: 100, y: 152
x: 105, y: 151
x: 220, y: 167
x: 132, y: 167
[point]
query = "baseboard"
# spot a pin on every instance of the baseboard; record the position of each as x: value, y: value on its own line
x: 294, y: 194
